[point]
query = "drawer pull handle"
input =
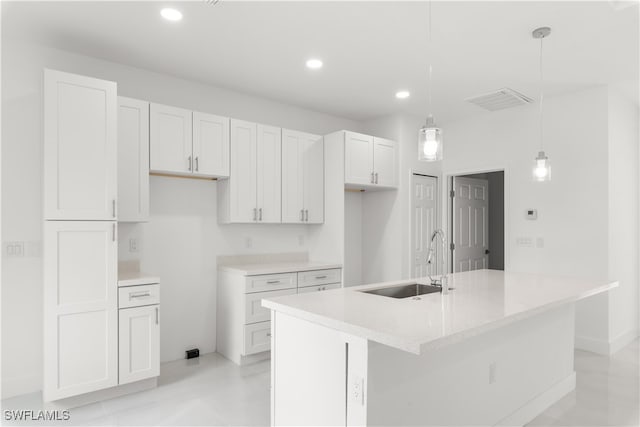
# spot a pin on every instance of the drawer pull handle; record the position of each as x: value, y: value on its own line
x: 268, y: 334
x: 321, y: 277
x: 157, y: 315
x: 139, y: 295
x: 273, y: 282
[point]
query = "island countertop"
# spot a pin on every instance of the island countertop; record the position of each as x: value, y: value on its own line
x: 480, y: 300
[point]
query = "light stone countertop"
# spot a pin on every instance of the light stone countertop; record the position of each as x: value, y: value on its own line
x: 254, y: 269
x: 481, y: 300
x: 133, y: 278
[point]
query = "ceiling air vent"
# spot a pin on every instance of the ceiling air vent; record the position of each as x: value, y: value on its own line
x: 500, y: 99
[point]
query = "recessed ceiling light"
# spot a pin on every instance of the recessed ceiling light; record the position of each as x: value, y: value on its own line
x: 171, y: 14
x: 314, y: 64
x: 403, y: 94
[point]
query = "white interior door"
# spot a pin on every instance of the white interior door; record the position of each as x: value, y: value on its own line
x: 470, y: 224
x: 242, y: 181
x: 133, y: 160
x: 424, y: 221
x: 313, y: 165
x: 80, y: 307
x: 80, y: 147
x: 292, y: 177
x: 170, y: 136
x: 139, y: 347
x: 210, y: 145
x: 358, y: 159
x: 384, y: 162
x: 269, y: 174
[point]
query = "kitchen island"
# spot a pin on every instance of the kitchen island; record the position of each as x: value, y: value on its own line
x: 496, y: 350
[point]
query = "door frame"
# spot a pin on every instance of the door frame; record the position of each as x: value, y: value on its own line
x: 447, y: 206
x: 410, y: 201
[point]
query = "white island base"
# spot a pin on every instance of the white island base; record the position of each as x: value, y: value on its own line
x: 328, y: 370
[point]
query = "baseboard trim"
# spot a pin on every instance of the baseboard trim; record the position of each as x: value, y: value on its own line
x: 539, y: 404
x: 603, y: 347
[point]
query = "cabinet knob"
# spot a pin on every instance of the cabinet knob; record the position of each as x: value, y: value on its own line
x: 255, y: 214
x: 260, y: 214
x: 197, y: 163
x: 190, y: 165
x: 372, y: 180
x: 301, y: 214
x: 376, y: 177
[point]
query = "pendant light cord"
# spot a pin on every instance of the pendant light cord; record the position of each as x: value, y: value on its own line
x: 541, y: 97
x: 429, y: 53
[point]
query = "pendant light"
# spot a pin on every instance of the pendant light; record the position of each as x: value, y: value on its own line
x: 430, y: 136
x: 541, y: 164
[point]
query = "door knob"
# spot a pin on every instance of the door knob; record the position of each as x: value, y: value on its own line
x: 487, y: 251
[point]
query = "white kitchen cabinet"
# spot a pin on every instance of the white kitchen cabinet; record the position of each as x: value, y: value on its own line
x: 210, y: 145
x: 187, y: 143
x: 243, y: 325
x: 302, y: 177
x: 252, y: 194
x: 80, y: 147
x: 80, y: 307
x: 170, y: 134
x: 370, y: 163
x: 133, y: 160
x: 139, y: 339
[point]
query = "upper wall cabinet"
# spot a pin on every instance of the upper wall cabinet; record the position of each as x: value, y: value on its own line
x: 302, y: 177
x: 80, y: 147
x: 133, y: 160
x: 252, y: 193
x: 370, y: 162
x: 188, y: 143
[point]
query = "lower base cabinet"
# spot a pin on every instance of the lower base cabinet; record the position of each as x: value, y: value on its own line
x: 139, y: 346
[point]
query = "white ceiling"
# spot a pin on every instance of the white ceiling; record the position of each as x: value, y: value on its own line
x: 370, y: 49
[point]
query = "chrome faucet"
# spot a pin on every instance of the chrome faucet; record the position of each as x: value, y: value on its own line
x: 442, y: 282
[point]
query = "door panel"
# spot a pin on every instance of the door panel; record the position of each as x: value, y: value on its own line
x: 313, y: 166
x: 471, y: 223
x: 384, y: 162
x: 424, y: 223
x: 269, y: 173
x: 292, y: 177
x: 80, y: 140
x: 133, y: 160
x: 242, y: 181
x: 80, y: 307
x: 358, y: 158
x: 139, y: 348
x: 170, y: 134
x: 210, y: 145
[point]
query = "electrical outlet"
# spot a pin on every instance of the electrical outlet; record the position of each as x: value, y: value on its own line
x: 357, y: 390
x: 13, y: 249
x: 133, y: 244
x: 524, y: 242
x: 492, y: 373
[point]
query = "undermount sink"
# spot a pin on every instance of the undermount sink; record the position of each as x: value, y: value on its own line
x: 405, y: 291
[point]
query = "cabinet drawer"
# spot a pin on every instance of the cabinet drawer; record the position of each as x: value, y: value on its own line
x: 319, y: 277
x: 318, y: 288
x: 271, y: 282
x: 257, y: 338
x: 254, y: 311
x: 135, y: 296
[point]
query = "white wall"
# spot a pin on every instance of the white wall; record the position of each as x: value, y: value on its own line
x: 574, y: 207
x: 623, y: 218
x: 179, y: 243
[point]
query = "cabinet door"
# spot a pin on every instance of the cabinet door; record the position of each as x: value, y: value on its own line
x: 292, y: 177
x: 80, y: 307
x: 358, y: 159
x: 133, y: 160
x: 80, y: 147
x: 384, y: 162
x: 242, y: 181
x: 210, y: 145
x: 170, y: 139
x: 313, y: 166
x: 269, y: 174
x: 139, y: 339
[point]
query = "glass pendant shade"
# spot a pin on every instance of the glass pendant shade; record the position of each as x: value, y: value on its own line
x: 430, y: 142
x: 541, y: 168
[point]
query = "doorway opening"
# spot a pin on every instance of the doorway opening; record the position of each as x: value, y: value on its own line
x: 477, y: 221
x: 424, y: 221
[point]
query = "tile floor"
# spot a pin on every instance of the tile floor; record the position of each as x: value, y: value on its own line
x: 213, y: 391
